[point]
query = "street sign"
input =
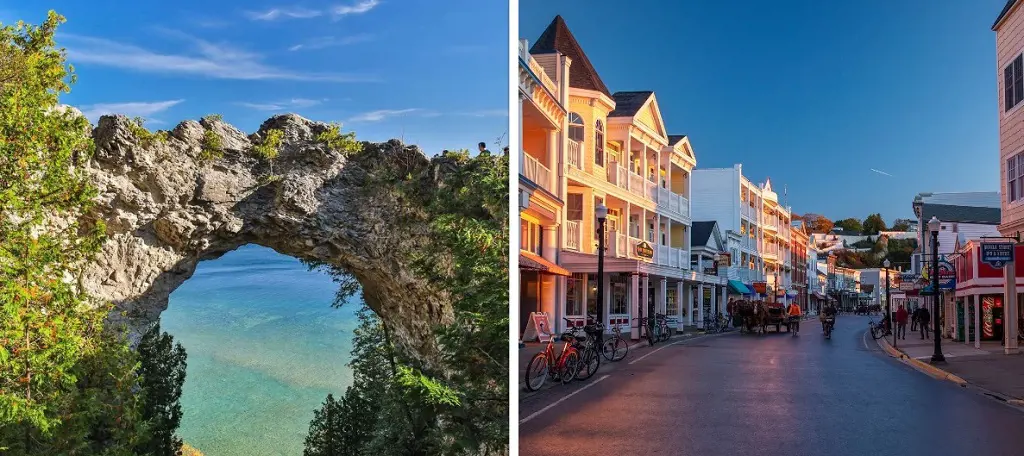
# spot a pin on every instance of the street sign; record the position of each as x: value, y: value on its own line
x: 997, y: 254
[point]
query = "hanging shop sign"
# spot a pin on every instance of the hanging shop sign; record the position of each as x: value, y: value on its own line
x: 644, y: 250
x: 997, y: 254
x: 947, y: 275
x: 760, y: 287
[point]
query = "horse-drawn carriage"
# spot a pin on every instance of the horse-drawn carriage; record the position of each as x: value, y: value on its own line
x: 751, y: 316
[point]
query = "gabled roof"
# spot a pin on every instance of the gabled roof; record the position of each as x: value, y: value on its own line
x: 635, y: 104
x: 702, y: 232
x: 1002, y: 14
x: 557, y: 37
x: 675, y: 139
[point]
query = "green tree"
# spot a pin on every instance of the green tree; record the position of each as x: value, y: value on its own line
x: 850, y: 224
x: 873, y: 224
x: 901, y: 225
x: 44, y: 193
x: 162, y: 372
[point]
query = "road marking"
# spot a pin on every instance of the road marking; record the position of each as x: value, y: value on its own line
x: 865, y: 340
x: 553, y: 404
x: 653, y: 352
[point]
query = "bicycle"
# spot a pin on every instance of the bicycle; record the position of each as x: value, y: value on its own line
x: 545, y: 364
x: 664, y: 332
x: 650, y: 334
x: 586, y: 346
x: 615, y: 347
x: 830, y: 322
x: 879, y: 329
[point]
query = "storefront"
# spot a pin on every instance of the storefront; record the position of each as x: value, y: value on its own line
x: 537, y: 283
x: 979, y: 300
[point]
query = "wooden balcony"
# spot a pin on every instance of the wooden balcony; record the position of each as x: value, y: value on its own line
x: 532, y: 169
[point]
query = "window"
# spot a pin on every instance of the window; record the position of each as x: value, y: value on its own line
x: 1014, y: 178
x: 530, y: 237
x: 574, y: 294
x: 576, y: 127
x: 1013, y: 83
x: 598, y: 143
x: 671, y: 306
x: 592, y: 294
x: 619, y: 295
x: 574, y: 206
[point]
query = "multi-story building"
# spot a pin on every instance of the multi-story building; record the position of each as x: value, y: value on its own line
x: 542, y: 101
x: 974, y: 214
x: 775, y: 223
x: 734, y: 202
x: 1009, y: 29
x: 798, y: 255
x: 619, y: 156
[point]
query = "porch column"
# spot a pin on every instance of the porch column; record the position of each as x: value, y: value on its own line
x: 662, y: 296
x: 606, y: 306
x: 1010, y: 327
x: 634, y: 305
x: 714, y: 300
x: 679, y: 298
x: 688, y: 300
x: 552, y: 161
x: 977, y: 321
x: 645, y: 298
x: 700, y: 306
x: 967, y: 320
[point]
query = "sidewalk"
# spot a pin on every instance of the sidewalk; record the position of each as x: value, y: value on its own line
x: 986, y: 368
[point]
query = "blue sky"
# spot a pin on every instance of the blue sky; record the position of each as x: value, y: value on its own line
x: 435, y: 72
x: 813, y: 94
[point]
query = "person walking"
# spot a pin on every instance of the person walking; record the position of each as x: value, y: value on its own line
x: 914, y: 317
x: 901, y: 323
x: 925, y: 318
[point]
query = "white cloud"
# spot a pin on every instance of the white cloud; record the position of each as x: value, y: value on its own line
x: 336, y: 12
x: 294, y: 103
x: 331, y: 41
x: 216, y: 61
x: 358, y: 8
x: 282, y: 13
x: 130, y: 109
x: 382, y: 114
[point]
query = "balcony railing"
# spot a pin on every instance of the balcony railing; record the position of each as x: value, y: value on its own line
x: 620, y: 244
x: 671, y: 256
x: 575, y: 154
x: 537, y: 173
x: 573, y: 235
x: 636, y: 183
x: 673, y: 202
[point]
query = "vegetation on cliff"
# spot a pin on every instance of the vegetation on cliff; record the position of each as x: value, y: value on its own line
x: 67, y: 385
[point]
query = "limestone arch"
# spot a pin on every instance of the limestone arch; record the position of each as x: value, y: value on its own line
x: 167, y: 208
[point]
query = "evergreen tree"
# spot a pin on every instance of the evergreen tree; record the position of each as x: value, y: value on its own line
x: 327, y: 431
x: 873, y: 224
x: 162, y: 373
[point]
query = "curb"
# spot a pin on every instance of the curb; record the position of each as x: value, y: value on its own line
x: 920, y: 365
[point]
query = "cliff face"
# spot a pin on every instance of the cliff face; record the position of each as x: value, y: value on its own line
x: 167, y: 208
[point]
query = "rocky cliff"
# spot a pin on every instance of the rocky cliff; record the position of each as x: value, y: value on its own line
x: 168, y: 206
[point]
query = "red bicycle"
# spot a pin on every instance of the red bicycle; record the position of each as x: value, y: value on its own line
x: 563, y: 367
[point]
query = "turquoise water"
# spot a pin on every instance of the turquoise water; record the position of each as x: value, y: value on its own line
x: 264, y: 349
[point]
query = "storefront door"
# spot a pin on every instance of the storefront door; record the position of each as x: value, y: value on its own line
x: 529, y: 297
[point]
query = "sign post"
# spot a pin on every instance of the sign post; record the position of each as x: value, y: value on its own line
x: 1000, y: 255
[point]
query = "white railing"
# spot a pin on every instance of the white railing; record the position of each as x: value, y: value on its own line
x: 617, y: 175
x: 649, y: 189
x: 575, y: 154
x: 671, y: 256
x: 535, y: 171
x: 621, y: 245
x: 573, y: 235
x: 636, y: 183
x: 672, y: 202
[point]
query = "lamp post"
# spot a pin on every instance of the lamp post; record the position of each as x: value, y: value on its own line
x: 888, y: 304
x: 934, y: 225
x: 602, y: 214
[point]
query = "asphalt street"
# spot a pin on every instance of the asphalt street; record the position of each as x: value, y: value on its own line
x: 768, y: 394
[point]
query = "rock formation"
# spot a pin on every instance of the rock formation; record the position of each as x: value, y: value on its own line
x: 166, y: 208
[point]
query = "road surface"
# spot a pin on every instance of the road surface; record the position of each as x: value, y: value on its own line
x: 768, y: 395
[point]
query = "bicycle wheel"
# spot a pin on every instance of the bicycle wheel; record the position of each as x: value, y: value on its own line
x: 615, y: 349
x: 665, y: 334
x: 591, y: 362
x: 570, y: 366
x: 876, y: 332
x: 536, y: 371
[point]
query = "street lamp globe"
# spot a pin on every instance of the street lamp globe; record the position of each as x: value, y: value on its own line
x: 934, y: 224
x: 886, y: 263
x: 602, y: 211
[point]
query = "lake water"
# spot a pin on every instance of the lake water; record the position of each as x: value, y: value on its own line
x: 264, y: 349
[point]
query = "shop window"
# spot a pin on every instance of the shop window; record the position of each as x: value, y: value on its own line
x: 619, y: 305
x: 574, y: 294
x: 530, y: 237
x: 592, y: 294
x: 671, y: 307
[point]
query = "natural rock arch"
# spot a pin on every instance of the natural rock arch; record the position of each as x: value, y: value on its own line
x: 166, y: 208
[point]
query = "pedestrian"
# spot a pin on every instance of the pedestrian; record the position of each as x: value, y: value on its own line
x: 925, y: 318
x: 483, y: 149
x: 901, y: 323
x: 914, y: 318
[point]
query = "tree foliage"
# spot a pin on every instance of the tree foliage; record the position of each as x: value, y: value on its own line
x: 342, y: 142
x: 873, y: 224
x: 818, y: 223
x: 162, y: 371
x: 212, y: 146
x: 850, y: 224
x: 43, y: 194
x: 269, y: 147
x: 901, y: 225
